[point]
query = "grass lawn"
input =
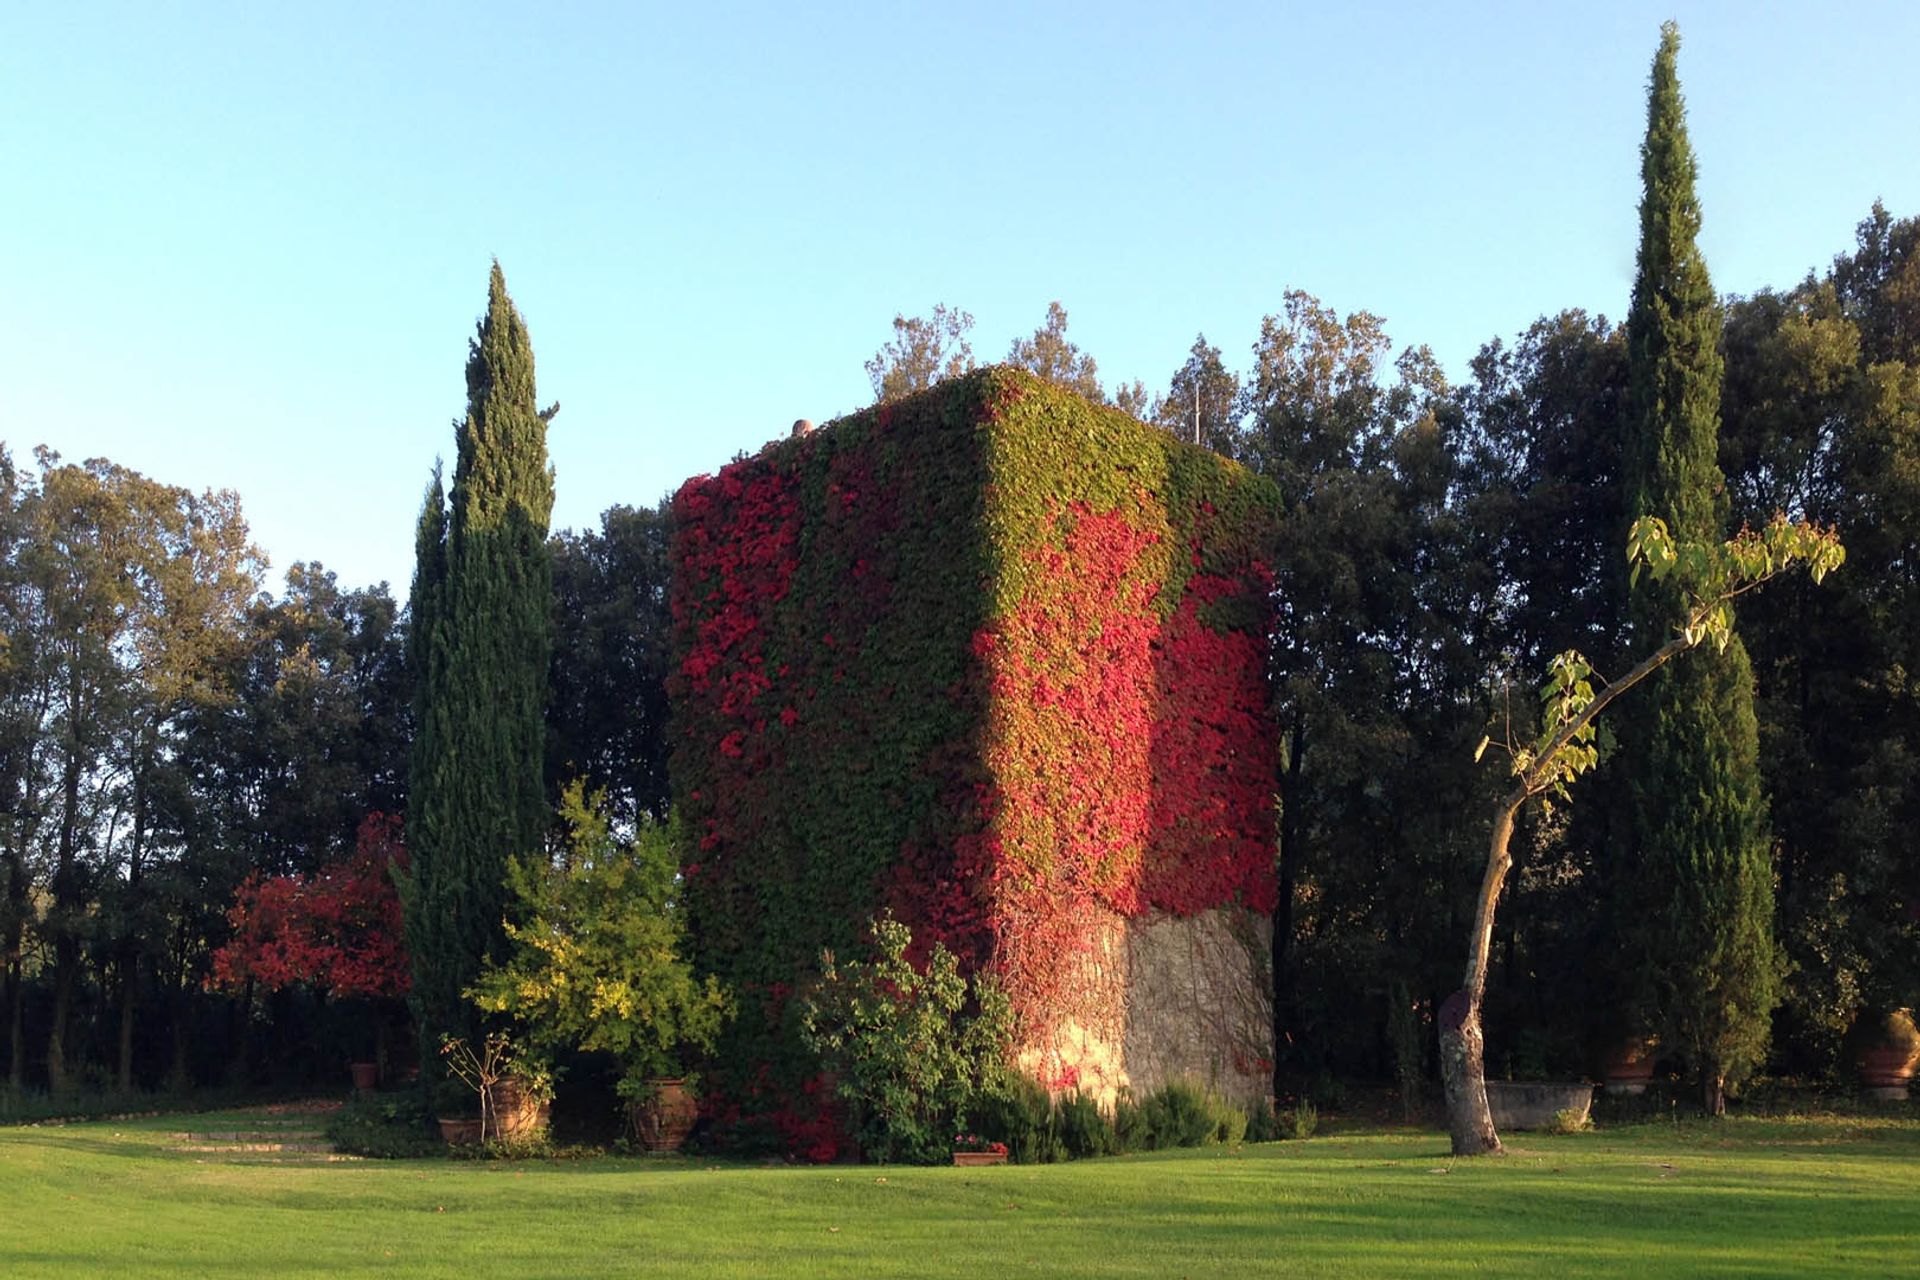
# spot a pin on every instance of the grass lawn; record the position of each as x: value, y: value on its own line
x: 1744, y: 1197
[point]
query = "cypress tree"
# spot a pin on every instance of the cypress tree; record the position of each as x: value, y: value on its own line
x: 1697, y: 893
x: 479, y: 646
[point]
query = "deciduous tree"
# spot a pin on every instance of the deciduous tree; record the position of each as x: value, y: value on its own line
x: 924, y: 350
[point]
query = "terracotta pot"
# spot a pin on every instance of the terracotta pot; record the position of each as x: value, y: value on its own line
x: 969, y: 1159
x: 1884, y: 1050
x: 515, y: 1113
x: 1627, y: 1067
x: 460, y: 1131
x: 1885, y: 1071
x: 662, y: 1122
x: 366, y: 1075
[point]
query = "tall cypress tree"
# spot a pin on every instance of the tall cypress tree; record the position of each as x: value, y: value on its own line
x: 1697, y: 893
x: 479, y: 646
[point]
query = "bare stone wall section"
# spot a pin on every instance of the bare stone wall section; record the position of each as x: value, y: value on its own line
x: 1183, y: 998
x: 1199, y: 1002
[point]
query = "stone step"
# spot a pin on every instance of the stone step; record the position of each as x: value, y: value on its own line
x: 281, y: 1160
x: 323, y: 1148
x: 288, y: 1134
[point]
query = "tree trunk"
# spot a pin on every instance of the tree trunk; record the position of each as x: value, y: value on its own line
x: 65, y: 960
x: 129, y: 987
x: 65, y: 918
x: 12, y: 942
x: 16, y: 1026
x: 1462, y: 1048
x: 1285, y: 1006
x: 179, y: 1078
x: 1713, y: 1092
x: 1463, y: 1071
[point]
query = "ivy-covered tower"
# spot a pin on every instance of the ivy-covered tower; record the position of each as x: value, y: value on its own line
x: 1697, y: 894
x: 992, y: 659
x: 480, y: 642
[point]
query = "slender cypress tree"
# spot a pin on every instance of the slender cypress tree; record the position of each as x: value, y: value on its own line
x: 1697, y: 894
x: 480, y: 646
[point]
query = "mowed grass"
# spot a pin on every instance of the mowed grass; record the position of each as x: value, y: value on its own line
x: 1807, y: 1197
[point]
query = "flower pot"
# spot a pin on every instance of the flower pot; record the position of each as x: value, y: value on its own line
x: 366, y: 1075
x: 460, y: 1131
x: 517, y: 1112
x: 1885, y: 1050
x: 663, y: 1121
x: 1627, y: 1067
x: 967, y: 1159
x: 1884, y: 1072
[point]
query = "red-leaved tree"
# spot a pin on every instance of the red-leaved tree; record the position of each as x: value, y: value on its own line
x: 338, y: 931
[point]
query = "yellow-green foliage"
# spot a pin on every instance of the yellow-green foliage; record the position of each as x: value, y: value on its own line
x: 597, y: 961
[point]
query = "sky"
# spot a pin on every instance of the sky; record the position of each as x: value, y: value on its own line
x: 244, y: 245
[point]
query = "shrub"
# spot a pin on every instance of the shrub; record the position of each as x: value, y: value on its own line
x: 1021, y: 1113
x: 1229, y: 1120
x: 1300, y: 1120
x: 1179, y: 1114
x: 1129, y: 1124
x: 1085, y: 1130
x: 385, y: 1127
x: 1262, y: 1124
x: 598, y: 962
x: 1570, y: 1120
x: 912, y: 1052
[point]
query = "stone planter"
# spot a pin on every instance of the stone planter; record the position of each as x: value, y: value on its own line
x: 460, y: 1131
x: 968, y: 1159
x: 662, y: 1122
x: 1536, y: 1104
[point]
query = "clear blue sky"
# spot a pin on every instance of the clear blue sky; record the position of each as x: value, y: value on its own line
x: 243, y: 245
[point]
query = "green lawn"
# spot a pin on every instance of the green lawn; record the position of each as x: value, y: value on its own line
x: 1828, y: 1196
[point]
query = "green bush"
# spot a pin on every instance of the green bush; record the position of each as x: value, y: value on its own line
x: 1300, y: 1120
x: 1262, y: 1124
x: 1022, y: 1114
x: 1085, y: 1130
x: 1229, y: 1120
x: 1129, y: 1124
x: 912, y: 1053
x: 1179, y: 1114
x: 392, y: 1126
x: 598, y: 961
x: 1570, y: 1120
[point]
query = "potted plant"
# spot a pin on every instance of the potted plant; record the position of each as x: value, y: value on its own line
x: 661, y: 1111
x: 971, y: 1149
x: 1626, y: 1065
x: 596, y: 964
x: 1885, y: 1048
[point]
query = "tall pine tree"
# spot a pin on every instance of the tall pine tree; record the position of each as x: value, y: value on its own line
x: 1696, y: 896
x: 479, y: 647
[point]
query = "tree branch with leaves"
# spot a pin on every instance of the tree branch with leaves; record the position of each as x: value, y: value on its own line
x: 1710, y: 577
